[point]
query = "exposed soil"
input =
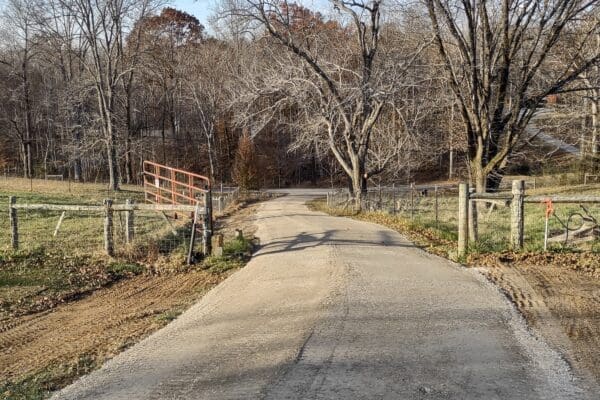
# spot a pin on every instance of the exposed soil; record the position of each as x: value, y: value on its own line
x: 239, y: 216
x: 559, y: 294
x: 99, y: 325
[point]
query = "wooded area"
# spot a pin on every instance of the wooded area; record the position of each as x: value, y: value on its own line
x: 276, y: 94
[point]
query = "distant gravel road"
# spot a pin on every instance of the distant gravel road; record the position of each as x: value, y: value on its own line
x: 332, y: 308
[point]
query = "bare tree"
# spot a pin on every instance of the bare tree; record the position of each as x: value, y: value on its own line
x: 496, y: 54
x: 103, y: 24
x: 349, y: 85
x: 21, y: 19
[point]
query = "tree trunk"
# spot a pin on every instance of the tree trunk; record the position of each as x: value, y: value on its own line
x: 77, y: 170
x: 595, y: 121
x: 478, y: 176
x: 113, y: 168
x: 28, y: 134
x: 128, y: 135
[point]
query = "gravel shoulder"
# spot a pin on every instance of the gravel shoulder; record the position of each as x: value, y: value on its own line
x: 333, y: 308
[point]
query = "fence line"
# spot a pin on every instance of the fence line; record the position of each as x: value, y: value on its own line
x: 490, y: 221
x: 107, y: 211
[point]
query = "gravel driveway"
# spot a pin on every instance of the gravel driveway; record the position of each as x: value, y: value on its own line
x: 331, y: 308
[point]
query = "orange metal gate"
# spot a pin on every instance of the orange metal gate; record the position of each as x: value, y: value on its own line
x: 166, y: 185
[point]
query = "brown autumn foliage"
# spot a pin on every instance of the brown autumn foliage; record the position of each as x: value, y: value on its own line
x: 245, y: 168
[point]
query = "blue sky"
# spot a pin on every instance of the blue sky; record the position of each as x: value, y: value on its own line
x: 201, y: 9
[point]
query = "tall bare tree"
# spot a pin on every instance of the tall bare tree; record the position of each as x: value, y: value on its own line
x: 496, y: 54
x: 339, y: 62
x: 21, y: 19
x: 104, y: 24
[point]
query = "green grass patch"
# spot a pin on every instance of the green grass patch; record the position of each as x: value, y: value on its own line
x: 41, y: 279
x: 40, y: 385
x: 236, y: 253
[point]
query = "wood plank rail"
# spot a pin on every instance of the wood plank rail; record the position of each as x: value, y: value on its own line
x: 163, y: 184
x: 115, y: 207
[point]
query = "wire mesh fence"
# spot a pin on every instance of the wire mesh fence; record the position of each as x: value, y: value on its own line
x: 572, y: 224
x: 491, y: 230
x: 141, y: 233
x: 433, y: 206
x: 562, y: 226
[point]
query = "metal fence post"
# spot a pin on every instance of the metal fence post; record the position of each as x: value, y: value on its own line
x: 129, y: 223
x: 394, y: 197
x: 206, y: 225
x: 473, y: 231
x: 109, y: 245
x: 517, y: 220
x: 14, y: 222
x: 412, y: 201
x: 436, y: 206
x: 221, y: 203
x: 463, y: 216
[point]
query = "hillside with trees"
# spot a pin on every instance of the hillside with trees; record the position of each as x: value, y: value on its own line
x: 357, y: 93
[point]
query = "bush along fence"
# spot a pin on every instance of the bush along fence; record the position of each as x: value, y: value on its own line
x: 85, y: 228
x: 487, y: 222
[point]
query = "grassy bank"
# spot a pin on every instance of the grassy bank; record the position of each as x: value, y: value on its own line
x: 65, y: 307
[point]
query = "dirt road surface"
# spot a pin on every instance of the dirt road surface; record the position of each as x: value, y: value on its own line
x: 331, y: 308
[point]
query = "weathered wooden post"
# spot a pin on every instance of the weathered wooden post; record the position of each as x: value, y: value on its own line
x: 217, y: 245
x: 206, y: 225
x: 14, y: 222
x: 109, y: 244
x: 473, y: 229
x: 463, y: 217
x: 129, y: 222
x: 517, y: 220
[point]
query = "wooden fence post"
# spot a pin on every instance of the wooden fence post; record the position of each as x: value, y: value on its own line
x: 129, y: 223
x: 109, y: 245
x: 14, y: 222
x: 206, y: 225
x: 463, y: 218
x: 517, y: 220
